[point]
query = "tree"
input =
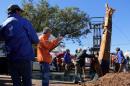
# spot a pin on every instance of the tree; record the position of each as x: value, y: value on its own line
x: 69, y: 21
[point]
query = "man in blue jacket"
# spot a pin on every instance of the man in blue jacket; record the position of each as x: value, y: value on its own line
x: 120, y: 62
x: 19, y: 35
x: 67, y: 62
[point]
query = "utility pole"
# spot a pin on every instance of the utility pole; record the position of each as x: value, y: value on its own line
x: 104, y: 53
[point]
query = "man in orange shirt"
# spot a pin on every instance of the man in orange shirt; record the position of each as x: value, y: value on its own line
x: 44, y: 48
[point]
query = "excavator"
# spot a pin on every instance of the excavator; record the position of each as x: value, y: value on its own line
x: 104, y: 52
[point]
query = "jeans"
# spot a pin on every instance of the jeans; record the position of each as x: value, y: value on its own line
x: 79, y: 73
x: 45, y: 69
x: 21, y: 73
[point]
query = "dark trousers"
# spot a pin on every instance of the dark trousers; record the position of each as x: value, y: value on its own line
x: 21, y: 73
x: 45, y: 68
x: 79, y: 73
x: 68, y: 68
x: 117, y: 66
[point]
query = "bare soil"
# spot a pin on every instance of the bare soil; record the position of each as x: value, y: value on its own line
x: 112, y: 79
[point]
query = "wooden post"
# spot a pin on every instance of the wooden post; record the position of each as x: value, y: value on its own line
x: 104, y: 53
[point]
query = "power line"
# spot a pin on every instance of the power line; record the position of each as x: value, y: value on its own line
x: 121, y: 44
x: 121, y: 31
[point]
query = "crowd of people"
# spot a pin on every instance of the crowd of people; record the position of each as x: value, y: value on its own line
x: 65, y: 62
x: 19, y: 35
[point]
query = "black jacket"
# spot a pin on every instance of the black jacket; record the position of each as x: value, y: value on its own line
x: 81, y: 58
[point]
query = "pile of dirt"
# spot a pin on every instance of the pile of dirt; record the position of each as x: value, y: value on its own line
x: 112, y: 79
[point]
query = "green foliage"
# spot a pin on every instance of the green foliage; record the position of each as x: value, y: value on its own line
x: 69, y: 21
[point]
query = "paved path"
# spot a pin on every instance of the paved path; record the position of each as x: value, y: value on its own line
x: 5, y: 80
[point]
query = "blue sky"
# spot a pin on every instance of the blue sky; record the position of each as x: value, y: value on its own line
x: 121, y: 19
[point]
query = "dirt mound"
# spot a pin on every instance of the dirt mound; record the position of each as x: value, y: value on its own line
x: 112, y: 79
